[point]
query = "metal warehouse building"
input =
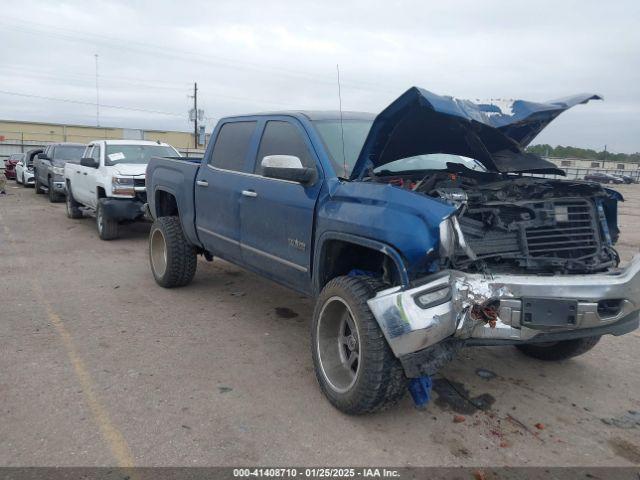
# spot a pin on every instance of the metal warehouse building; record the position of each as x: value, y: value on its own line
x: 20, y: 136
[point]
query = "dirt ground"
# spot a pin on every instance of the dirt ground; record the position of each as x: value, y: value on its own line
x: 100, y: 366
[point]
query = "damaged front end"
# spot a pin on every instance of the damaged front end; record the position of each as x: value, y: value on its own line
x: 428, y: 322
x: 521, y: 259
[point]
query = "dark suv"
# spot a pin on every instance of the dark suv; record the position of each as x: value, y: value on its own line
x: 48, y: 168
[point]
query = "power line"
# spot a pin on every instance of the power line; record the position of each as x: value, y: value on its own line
x: 178, y: 54
x: 81, y: 102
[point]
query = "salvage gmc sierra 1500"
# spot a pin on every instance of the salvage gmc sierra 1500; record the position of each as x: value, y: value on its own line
x: 419, y: 231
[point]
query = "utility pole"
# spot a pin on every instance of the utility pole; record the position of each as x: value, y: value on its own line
x: 195, y: 114
x: 97, y: 94
x: 195, y: 117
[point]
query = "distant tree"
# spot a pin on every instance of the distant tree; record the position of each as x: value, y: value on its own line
x: 560, y: 151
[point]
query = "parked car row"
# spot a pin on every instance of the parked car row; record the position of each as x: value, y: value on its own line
x: 105, y: 178
x: 602, y: 177
x: 414, y: 230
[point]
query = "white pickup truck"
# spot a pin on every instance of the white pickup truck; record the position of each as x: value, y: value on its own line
x: 109, y: 182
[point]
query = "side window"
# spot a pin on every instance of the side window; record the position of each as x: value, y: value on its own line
x: 283, y: 138
x: 232, y: 145
x: 52, y: 153
x: 95, y: 154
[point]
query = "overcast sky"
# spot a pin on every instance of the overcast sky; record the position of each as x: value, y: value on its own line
x: 269, y: 55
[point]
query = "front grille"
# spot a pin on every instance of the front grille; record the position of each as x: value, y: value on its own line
x: 573, y: 236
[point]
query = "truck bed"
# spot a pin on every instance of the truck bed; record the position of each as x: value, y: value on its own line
x: 177, y: 176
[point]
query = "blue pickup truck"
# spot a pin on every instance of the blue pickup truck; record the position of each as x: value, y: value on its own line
x: 419, y: 231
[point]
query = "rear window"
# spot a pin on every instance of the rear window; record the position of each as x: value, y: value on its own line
x: 232, y: 145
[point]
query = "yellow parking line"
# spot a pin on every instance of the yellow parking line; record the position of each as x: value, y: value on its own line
x: 113, y: 437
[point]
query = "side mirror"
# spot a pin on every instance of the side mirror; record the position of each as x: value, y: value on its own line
x: 89, y: 162
x: 43, y: 156
x: 286, y: 167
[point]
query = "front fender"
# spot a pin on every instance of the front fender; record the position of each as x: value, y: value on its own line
x: 406, y: 221
x: 388, y: 250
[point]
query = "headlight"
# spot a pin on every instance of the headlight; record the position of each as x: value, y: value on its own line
x: 451, y: 237
x: 447, y: 238
x: 58, y: 170
x: 123, y: 186
x: 432, y: 298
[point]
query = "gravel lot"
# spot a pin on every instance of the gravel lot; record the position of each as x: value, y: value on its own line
x: 100, y: 366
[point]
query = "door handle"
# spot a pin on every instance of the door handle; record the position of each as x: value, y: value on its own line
x: 84, y: 173
x: 249, y: 193
x: 202, y: 183
x: 77, y: 171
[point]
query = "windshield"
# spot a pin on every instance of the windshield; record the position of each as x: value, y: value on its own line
x: 68, y: 153
x: 355, y: 133
x: 431, y: 161
x: 139, y: 154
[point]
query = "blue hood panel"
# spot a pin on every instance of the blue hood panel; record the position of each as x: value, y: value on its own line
x: 420, y: 122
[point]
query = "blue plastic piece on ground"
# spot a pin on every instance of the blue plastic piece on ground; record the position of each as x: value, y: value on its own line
x: 420, y: 389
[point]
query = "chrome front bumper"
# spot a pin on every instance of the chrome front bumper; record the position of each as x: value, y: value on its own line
x: 409, y: 327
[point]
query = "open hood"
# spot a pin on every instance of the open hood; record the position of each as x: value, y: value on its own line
x: 420, y: 122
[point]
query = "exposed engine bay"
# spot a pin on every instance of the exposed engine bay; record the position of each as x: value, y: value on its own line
x: 514, y: 223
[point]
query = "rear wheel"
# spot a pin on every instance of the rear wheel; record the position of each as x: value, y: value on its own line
x: 173, y: 259
x: 24, y: 182
x: 73, y: 207
x: 354, y: 365
x: 559, y: 350
x: 107, y: 227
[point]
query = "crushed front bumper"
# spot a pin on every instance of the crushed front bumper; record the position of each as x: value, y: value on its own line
x: 601, y: 303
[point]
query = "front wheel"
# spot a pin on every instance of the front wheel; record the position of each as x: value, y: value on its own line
x: 53, y: 196
x: 38, y: 185
x: 561, y: 350
x: 354, y: 365
x: 173, y: 260
x: 73, y: 207
x: 107, y: 227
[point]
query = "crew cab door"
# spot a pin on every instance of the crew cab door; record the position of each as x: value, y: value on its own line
x: 83, y: 182
x: 276, y: 216
x: 218, y: 185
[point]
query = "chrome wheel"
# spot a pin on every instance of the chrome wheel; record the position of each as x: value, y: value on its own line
x: 100, y: 220
x: 339, y: 347
x: 158, y: 253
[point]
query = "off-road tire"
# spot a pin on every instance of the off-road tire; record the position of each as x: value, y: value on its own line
x: 180, y: 259
x: 562, y: 350
x: 73, y: 207
x: 107, y: 227
x: 37, y: 185
x: 53, y: 196
x: 380, y: 381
